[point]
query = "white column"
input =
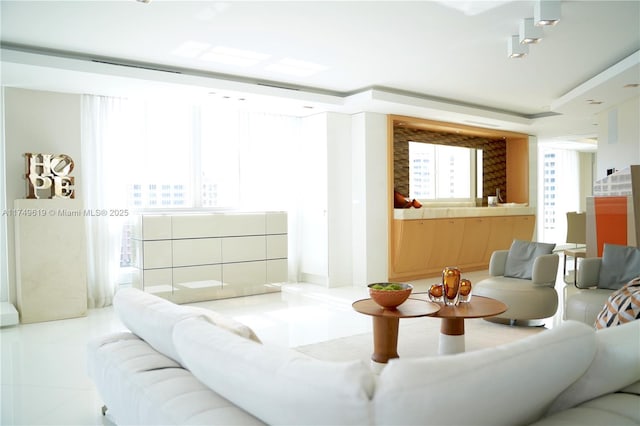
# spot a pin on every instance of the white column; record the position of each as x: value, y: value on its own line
x: 370, y: 204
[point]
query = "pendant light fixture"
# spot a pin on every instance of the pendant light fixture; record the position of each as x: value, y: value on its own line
x: 546, y: 12
x: 529, y: 33
x: 515, y: 49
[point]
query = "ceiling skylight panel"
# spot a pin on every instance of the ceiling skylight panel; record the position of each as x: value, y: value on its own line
x: 232, y: 56
x: 191, y: 49
x: 296, y: 67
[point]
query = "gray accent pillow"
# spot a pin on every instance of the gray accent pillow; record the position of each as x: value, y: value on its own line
x: 620, y: 264
x: 521, y: 256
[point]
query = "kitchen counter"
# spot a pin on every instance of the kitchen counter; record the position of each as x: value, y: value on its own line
x: 509, y: 209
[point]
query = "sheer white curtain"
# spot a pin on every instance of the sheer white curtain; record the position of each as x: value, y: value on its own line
x: 104, y: 141
x: 271, y: 175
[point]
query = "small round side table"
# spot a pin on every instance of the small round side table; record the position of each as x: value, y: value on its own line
x: 385, y: 324
x: 452, y: 326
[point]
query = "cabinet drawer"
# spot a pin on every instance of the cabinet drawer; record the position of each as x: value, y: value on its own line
x: 276, y: 223
x: 276, y: 246
x: 244, y: 249
x: 196, y: 226
x: 197, y: 277
x: 157, y: 254
x: 243, y: 224
x: 156, y: 227
x: 244, y: 273
x: 277, y: 271
x: 198, y: 251
x: 157, y: 281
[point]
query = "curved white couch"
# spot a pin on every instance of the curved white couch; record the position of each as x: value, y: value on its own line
x: 188, y: 366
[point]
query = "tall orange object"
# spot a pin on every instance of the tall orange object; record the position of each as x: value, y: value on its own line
x: 611, y: 221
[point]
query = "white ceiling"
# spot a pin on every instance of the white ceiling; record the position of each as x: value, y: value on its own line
x: 444, y: 60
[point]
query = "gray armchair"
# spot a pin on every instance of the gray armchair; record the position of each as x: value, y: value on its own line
x: 527, y: 298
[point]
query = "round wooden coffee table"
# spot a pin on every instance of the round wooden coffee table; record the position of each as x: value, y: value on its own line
x: 452, y: 326
x: 385, y: 324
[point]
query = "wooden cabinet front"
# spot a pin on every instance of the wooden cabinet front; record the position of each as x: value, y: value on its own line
x: 412, y: 254
x: 445, y: 243
x: 474, y: 242
x: 421, y: 248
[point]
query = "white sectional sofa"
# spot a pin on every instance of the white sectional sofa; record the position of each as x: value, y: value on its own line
x: 181, y: 365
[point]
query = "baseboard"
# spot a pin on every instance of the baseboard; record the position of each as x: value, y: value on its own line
x: 8, y: 315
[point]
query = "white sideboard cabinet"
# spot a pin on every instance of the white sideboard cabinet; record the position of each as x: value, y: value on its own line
x: 205, y: 256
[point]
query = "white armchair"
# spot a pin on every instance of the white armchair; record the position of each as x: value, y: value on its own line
x: 527, y: 298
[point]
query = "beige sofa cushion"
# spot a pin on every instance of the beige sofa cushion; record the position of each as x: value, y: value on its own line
x: 277, y: 385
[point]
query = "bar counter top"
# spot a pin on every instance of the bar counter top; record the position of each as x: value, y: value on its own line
x: 508, y: 209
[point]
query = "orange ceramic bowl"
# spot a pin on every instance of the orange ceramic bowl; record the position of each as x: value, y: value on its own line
x: 391, y: 295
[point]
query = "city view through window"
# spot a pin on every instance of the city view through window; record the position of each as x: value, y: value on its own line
x: 440, y: 172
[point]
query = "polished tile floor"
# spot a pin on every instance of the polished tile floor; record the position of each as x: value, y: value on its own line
x: 43, y: 365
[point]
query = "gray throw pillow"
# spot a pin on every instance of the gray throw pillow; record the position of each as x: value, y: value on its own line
x: 521, y: 256
x: 620, y: 264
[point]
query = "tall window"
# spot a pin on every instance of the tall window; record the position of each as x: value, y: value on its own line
x: 177, y: 156
x: 441, y: 172
x: 559, y: 196
x: 550, y: 192
x: 181, y: 156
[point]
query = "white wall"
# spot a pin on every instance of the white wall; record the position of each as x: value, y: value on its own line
x: 312, y: 232
x: 618, y: 137
x: 587, y: 160
x: 339, y: 197
x: 39, y: 122
x: 4, y: 265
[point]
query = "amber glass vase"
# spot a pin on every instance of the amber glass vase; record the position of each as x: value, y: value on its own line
x: 465, y: 291
x: 435, y: 292
x: 451, y: 285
